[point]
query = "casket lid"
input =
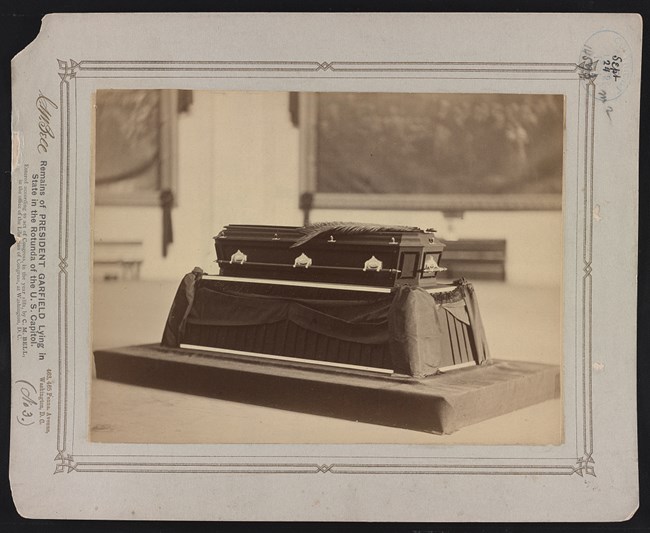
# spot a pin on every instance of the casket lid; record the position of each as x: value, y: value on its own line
x: 303, y: 234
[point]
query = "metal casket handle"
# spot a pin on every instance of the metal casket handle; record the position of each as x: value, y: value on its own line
x: 373, y: 264
x: 238, y: 257
x: 302, y: 261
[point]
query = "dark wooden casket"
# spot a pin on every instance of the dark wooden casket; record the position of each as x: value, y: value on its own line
x: 365, y: 255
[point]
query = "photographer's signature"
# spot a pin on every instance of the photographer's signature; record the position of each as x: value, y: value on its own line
x: 45, y: 132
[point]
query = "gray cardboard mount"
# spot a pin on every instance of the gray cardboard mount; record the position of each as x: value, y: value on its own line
x: 57, y: 472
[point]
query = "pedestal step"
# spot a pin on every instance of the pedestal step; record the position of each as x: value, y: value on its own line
x: 438, y: 404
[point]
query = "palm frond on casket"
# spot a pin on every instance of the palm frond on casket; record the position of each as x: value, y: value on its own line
x: 314, y: 230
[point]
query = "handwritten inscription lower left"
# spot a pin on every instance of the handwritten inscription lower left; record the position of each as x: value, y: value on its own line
x: 34, y: 405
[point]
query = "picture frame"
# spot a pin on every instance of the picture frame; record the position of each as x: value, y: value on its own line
x: 313, y: 195
x: 138, y: 182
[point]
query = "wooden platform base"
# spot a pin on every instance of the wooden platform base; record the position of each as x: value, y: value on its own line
x: 437, y: 404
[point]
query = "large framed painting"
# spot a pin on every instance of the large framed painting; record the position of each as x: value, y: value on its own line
x: 135, y: 146
x: 449, y: 152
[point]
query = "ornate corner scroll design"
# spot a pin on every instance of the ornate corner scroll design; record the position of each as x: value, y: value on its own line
x: 65, y: 463
x: 587, y: 69
x: 584, y: 466
x: 69, y: 69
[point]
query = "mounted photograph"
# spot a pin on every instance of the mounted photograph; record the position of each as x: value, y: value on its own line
x: 290, y: 273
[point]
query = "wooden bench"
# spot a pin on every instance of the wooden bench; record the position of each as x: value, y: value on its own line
x: 117, y: 260
x: 475, y: 259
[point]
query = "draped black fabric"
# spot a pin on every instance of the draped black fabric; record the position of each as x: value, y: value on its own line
x: 167, y: 202
x: 408, y: 330
x: 478, y: 332
x: 180, y: 309
x: 360, y: 321
x: 416, y: 332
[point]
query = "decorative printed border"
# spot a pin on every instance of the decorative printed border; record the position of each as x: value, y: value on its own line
x: 585, y: 74
x: 64, y: 441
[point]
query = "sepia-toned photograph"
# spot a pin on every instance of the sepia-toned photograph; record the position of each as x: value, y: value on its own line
x: 327, y: 267
x: 306, y: 278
